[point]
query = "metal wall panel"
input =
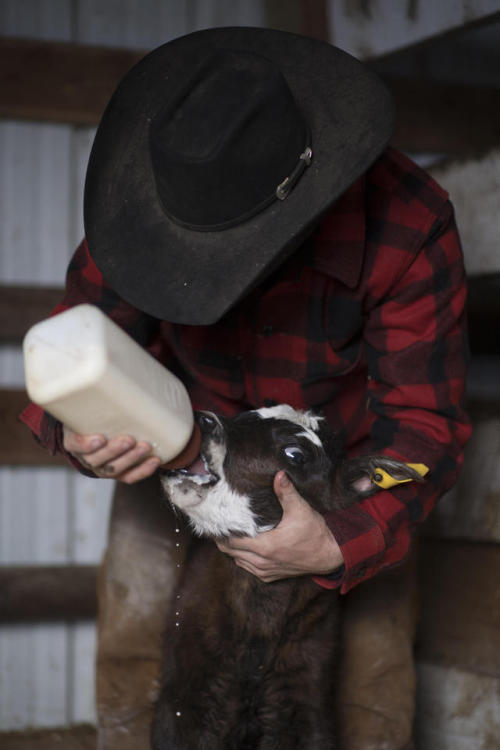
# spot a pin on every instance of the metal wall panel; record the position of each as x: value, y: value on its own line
x: 376, y: 27
x: 33, y: 676
x: 34, y: 199
x: 128, y: 23
x: 40, y: 19
x: 46, y: 515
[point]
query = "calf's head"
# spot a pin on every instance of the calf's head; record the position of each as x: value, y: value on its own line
x: 229, y: 489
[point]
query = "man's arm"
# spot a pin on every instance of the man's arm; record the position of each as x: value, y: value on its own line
x: 416, y: 352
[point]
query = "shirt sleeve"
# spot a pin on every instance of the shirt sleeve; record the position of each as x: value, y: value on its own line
x: 84, y: 283
x: 416, y: 351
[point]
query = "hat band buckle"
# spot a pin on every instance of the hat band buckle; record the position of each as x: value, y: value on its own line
x: 285, y: 187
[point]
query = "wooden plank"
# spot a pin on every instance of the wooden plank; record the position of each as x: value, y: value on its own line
x: 72, y: 83
x: 73, y: 738
x: 22, y: 306
x: 48, y: 592
x: 59, y: 81
x: 460, y: 619
x: 315, y: 19
x: 17, y: 445
x: 284, y: 15
x: 444, y: 118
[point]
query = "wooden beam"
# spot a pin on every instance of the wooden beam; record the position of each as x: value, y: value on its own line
x: 17, y: 445
x: 59, y: 81
x: 284, y: 15
x: 315, y: 19
x: 22, y: 306
x: 444, y: 118
x: 48, y: 592
x: 72, y: 83
x: 76, y: 737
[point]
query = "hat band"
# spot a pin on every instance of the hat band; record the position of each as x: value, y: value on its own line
x: 289, y: 182
x: 281, y: 192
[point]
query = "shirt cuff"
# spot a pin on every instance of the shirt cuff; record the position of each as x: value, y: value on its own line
x: 48, y: 432
x: 43, y: 427
x: 362, y: 544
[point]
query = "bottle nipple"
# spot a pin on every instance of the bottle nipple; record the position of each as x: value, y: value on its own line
x: 188, y: 454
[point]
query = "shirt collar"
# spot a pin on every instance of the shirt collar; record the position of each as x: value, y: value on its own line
x: 339, y: 242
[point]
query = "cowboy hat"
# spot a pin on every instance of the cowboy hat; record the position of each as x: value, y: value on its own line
x: 216, y: 156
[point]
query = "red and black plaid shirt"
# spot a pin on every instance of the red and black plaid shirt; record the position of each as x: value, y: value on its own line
x: 366, y: 322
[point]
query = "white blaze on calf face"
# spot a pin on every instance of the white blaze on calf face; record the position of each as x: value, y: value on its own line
x: 308, y: 421
x: 213, y: 508
x: 223, y: 512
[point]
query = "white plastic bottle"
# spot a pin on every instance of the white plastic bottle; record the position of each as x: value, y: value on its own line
x: 88, y: 373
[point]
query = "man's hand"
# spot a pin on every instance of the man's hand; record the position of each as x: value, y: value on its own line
x: 120, y: 458
x: 301, y: 544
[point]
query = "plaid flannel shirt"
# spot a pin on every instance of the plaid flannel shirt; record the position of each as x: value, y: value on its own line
x: 366, y: 322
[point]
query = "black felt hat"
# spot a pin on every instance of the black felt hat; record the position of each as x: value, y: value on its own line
x: 216, y: 156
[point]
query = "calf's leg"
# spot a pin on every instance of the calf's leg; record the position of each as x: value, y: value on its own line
x: 377, y: 681
x: 136, y: 586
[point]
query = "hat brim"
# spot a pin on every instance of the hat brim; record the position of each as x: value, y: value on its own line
x: 191, y: 277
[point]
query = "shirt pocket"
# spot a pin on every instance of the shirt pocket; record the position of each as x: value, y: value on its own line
x: 342, y: 324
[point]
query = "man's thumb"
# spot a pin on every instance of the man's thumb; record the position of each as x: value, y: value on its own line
x: 284, y: 489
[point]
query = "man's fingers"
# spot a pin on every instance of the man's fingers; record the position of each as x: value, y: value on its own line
x: 121, y: 452
x: 116, y: 464
x: 75, y: 443
x: 284, y: 490
x: 251, y: 545
x: 241, y: 547
x: 141, y: 471
x: 263, y: 545
x: 120, y: 458
x: 253, y: 563
x: 264, y: 576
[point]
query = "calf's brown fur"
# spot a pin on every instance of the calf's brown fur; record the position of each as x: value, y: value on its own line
x: 249, y: 665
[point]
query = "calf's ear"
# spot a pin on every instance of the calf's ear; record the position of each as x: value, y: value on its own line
x: 364, y: 475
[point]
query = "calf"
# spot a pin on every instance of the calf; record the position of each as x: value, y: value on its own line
x: 249, y: 665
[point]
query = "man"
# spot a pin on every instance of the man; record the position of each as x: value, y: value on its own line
x: 246, y: 224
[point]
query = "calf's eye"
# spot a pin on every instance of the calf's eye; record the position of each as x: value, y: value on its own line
x: 294, y: 454
x: 206, y: 421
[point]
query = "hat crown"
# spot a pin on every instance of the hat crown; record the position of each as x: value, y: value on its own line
x: 172, y: 157
x: 232, y: 134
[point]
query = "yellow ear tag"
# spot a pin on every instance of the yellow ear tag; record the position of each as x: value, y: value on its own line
x: 385, y: 481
